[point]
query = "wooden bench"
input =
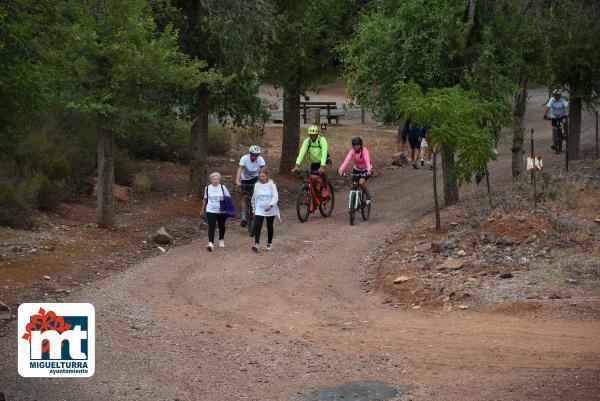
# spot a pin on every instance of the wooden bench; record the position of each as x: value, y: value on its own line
x: 329, y: 106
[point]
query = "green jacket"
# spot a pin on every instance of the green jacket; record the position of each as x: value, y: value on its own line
x: 317, y: 151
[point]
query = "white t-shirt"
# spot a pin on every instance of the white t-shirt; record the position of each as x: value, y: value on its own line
x: 558, y: 108
x: 214, y: 194
x: 251, y: 168
x: 265, y: 195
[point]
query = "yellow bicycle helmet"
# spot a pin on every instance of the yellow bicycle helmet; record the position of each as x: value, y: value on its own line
x: 313, y: 130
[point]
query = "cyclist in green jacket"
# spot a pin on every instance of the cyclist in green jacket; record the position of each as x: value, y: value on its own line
x: 316, y: 146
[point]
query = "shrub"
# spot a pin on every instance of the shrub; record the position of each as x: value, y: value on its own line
x: 219, y: 139
x: 49, y: 192
x: 248, y: 135
x: 17, y: 201
x: 141, y: 183
x: 170, y: 142
x: 125, y: 168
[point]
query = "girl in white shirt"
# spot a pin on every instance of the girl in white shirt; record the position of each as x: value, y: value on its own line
x: 264, y: 204
x: 214, y: 193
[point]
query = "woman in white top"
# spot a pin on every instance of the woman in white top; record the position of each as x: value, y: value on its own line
x: 214, y: 193
x: 264, y: 204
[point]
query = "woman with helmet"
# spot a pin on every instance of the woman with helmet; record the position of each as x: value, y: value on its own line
x: 362, y: 164
x: 316, y: 146
x: 247, y: 174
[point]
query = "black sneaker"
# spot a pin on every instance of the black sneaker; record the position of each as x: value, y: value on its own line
x: 552, y: 147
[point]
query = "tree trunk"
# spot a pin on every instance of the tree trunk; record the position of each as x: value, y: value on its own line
x: 450, y: 185
x: 106, y: 175
x: 519, y: 130
x: 291, y: 127
x: 574, y: 133
x: 438, y: 224
x: 487, y: 182
x: 470, y: 20
x: 198, y: 168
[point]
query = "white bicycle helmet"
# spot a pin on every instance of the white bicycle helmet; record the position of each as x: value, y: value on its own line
x: 254, y: 149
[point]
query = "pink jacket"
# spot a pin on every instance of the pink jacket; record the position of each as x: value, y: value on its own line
x: 362, y: 161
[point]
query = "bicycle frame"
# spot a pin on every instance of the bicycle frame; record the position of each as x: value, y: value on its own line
x: 313, y: 183
x: 355, y: 188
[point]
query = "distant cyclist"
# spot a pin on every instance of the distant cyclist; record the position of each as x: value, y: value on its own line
x: 362, y: 164
x: 558, y: 107
x: 247, y: 175
x: 316, y: 146
x: 414, y: 132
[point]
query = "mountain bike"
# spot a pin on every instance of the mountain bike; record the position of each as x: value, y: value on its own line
x: 357, y: 198
x: 557, y: 136
x: 312, y: 195
x: 249, y: 217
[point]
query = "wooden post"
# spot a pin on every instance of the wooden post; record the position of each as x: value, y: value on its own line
x: 566, y: 132
x: 438, y: 224
x: 487, y: 181
x: 533, y: 174
x: 362, y: 119
x: 597, y: 134
x: 315, y: 115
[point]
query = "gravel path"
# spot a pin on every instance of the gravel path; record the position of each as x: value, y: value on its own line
x: 296, y: 323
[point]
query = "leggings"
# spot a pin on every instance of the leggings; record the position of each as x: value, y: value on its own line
x: 258, y: 223
x: 213, y: 219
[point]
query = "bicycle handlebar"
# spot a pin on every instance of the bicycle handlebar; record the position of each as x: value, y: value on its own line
x: 356, y: 175
x: 306, y: 172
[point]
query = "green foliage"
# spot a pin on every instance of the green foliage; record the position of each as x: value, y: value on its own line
x: 573, y: 42
x: 125, y: 168
x: 219, y: 139
x: 301, y: 49
x: 403, y: 41
x: 50, y: 192
x: 17, y: 200
x: 460, y: 122
x: 113, y: 62
x: 165, y: 142
x: 231, y: 36
x: 435, y: 47
x: 20, y: 83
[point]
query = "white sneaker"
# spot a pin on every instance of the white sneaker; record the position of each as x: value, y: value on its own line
x: 210, y: 246
x: 221, y: 243
x: 269, y: 247
x: 496, y: 152
x: 255, y: 247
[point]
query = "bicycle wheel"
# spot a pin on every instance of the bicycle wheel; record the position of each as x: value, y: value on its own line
x: 352, y: 208
x: 365, y: 209
x: 250, y: 221
x: 326, y: 204
x: 559, y: 140
x: 303, y: 203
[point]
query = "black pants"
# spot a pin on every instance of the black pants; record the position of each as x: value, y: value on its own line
x: 258, y: 223
x: 213, y: 219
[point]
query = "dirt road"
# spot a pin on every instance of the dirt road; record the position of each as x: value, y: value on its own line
x: 228, y: 325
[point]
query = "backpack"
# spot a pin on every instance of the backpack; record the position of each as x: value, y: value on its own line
x: 310, y: 145
x: 227, y: 206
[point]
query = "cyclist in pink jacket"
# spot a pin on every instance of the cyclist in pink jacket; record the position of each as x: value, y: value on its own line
x: 362, y: 164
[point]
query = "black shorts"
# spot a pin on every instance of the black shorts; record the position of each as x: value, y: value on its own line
x: 355, y: 171
x: 315, y: 166
x: 415, y: 142
x: 554, y: 121
x: 248, y: 186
